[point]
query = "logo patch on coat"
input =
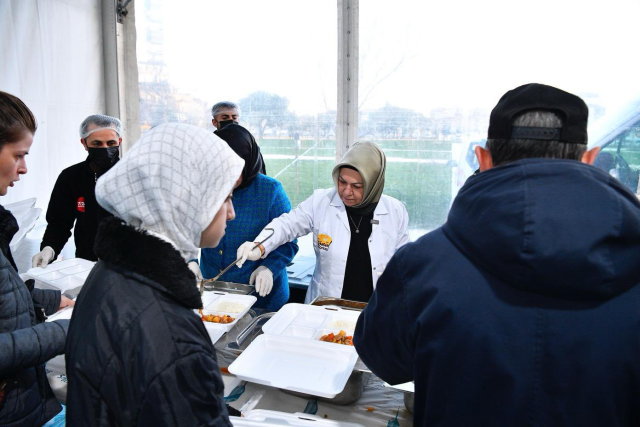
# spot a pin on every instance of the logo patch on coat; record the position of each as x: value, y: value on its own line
x: 324, y: 241
x: 80, y: 204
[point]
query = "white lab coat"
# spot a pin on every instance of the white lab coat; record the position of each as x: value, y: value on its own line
x: 324, y: 214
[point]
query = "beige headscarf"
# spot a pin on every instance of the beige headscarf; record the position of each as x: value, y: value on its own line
x: 370, y: 162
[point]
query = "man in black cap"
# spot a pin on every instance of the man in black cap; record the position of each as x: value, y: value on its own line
x: 523, y: 309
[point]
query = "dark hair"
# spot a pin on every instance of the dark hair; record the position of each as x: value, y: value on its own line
x: 505, y: 151
x: 15, y: 119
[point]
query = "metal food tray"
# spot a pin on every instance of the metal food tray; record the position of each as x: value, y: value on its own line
x: 229, y: 287
x: 356, y: 382
x: 343, y: 303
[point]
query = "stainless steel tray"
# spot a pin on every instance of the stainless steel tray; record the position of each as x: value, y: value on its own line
x: 343, y: 303
x: 229, y: 287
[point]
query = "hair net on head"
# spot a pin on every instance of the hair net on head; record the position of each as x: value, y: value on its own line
x: 224, y: 106
x: 172, y: 182
x: 99, y: 122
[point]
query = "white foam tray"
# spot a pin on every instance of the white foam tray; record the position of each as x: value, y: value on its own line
x: 261, y: 417
x: 212, y: 299
x: 63, y: 275
x: 65, y: 313
x: 404, y: 387
x: 312, y: 367
x: 310, y: 322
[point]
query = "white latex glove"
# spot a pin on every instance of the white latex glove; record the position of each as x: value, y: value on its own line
x: 43, y: 258
x: 246, y: 252
x: 264, y: 280
x: 195, y: 269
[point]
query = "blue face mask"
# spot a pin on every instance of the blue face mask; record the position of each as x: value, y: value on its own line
x: 105, y: 158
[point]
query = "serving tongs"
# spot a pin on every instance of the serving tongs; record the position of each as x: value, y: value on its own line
x: 215, y: 279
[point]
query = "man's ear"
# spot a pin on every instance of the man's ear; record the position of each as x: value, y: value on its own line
x: 484, y: 158
x: 589, y: 156
x: 119, y: 141
x: 84, y: 144
x: 214, y: 122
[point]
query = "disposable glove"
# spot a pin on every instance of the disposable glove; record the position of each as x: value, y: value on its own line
x: 195, y: 269
x: 246, y: 252
x: 264, y: 280
x: 43, y: 258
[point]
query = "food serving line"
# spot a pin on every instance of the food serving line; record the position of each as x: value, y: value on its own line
x: 275, y: 369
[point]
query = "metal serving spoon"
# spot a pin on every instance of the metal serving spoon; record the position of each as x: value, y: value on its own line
x: 202, y: 282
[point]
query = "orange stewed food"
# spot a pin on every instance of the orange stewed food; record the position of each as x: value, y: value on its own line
x: 339, y: 338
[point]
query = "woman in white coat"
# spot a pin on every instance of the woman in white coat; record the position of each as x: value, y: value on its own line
x: 356, y: 229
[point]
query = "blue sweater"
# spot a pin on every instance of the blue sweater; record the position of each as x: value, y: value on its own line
x: 255, y: 207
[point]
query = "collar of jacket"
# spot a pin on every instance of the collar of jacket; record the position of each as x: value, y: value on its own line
x: 8, y: 228
x: 135, y: 250
x: 337, y: 202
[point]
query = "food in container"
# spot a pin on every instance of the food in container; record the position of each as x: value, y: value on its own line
x: 339, y: 338
x: 216, y: 318
x: 229, y: 307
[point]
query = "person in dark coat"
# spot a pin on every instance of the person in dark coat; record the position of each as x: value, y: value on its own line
x: 522, y: 310
x: 26, y: 343
x: 73, y: 202
x: 137, y: 352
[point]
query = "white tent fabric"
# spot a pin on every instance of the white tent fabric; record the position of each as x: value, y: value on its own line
x: 51, y: 57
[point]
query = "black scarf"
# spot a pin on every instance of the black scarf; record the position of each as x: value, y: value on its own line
x: 244, y: 144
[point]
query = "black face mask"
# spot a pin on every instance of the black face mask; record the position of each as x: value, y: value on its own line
x: 226, y: 122
x: 104, y: 157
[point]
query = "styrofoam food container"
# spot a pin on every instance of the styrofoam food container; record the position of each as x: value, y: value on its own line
x: 65, y: 313
x: 215, y: 331
x: 261, y: 417
x: 404, y: 387
x: 213, y: 300
x: 63, y: 275
x: 304, y: 321
x: 305, y: 366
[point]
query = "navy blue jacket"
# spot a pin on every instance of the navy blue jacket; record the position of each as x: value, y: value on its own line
x: 137, y: 354
x: 523, y: 309
x: 25, y: 344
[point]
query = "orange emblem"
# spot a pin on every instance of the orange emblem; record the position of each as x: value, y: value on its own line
x: 324, y: 241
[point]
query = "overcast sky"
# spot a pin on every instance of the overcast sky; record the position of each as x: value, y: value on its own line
x: 413, y: 54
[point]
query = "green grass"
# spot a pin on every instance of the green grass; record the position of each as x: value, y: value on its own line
x: 425, y: 189
x: 393, y: 148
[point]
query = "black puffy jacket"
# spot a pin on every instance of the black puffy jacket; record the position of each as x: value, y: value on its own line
x: 137, y: 354
x: 25, y: 345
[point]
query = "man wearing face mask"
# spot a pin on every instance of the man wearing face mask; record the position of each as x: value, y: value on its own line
x: 73, y: 198
x: 224, y: 113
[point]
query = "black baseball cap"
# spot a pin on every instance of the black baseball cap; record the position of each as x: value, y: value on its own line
x: 534, y: 96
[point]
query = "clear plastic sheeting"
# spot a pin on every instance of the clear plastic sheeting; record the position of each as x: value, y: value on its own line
x: 52, y: 59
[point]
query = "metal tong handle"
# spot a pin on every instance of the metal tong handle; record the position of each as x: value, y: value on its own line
x: 202, y: 282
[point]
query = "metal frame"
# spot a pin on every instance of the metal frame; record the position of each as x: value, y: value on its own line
x: 348, y: 58
x: 121, y: 68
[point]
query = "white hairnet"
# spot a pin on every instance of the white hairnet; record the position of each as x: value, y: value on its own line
x: 172, y: 182
x: 99, y: 122
x: 224, y: 106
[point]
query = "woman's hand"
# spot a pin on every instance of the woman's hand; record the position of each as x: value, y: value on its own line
x: 264, y: 280
x: 66, y: 302
x: 246, y: 252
